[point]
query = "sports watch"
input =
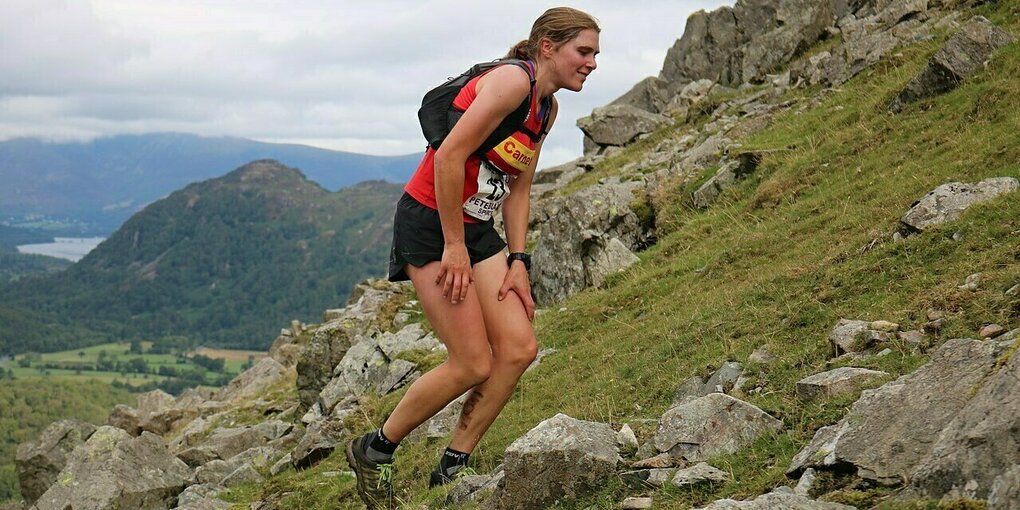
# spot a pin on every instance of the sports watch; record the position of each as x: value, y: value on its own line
x: 521, y: 256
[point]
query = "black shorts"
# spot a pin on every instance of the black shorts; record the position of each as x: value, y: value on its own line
x: 418, y: 238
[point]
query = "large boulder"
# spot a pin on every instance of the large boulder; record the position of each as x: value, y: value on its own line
x: 1005, y: 490
x: 711, y: 425
x: 961, y: 56
x: 38, y: 462
x: 115, y: 470
x: 226, y: 443
x: 948, y: 202
x: 890, y: 430
x: 980, y: 444
x: 365, y: 368
x: 575, y: 248
x: 560, y: 459
x: 619, y: 124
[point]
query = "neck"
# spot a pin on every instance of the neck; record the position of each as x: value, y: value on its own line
x: 543, y: 78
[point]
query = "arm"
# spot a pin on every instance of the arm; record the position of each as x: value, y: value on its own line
x: 515, y: 225
x: 497, y: 94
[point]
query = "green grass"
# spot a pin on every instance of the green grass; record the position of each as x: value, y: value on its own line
x: 120, y: 350
x: 776, y: 262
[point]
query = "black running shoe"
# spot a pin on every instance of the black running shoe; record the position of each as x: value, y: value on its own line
x: 375, y: 481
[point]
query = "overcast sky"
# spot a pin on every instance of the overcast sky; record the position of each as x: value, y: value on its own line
x: 341, y: 75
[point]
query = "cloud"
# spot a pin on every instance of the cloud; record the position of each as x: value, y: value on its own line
x: 346, y: 76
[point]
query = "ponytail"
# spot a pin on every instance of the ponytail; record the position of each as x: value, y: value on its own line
x: 523, y: 50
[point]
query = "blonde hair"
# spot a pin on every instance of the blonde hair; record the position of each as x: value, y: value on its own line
x: 559, y: 25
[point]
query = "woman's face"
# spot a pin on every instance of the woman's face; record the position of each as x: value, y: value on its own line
x: 575, y: 59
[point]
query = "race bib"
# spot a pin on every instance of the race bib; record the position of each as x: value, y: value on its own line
x: 493, y: 188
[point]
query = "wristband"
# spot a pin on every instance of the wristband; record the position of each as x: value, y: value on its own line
x: 521, y: 256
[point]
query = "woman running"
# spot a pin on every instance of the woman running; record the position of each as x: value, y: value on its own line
x: 477, y: 299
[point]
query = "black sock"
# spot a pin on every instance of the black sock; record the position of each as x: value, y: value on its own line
x: 452, y: 461
x: 380, y: 449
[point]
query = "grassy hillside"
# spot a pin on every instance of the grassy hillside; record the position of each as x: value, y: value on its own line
x: 776, y: 262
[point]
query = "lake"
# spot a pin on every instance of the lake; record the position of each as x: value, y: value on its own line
x: 70, y: 248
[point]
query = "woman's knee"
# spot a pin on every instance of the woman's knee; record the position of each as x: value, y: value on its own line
x: 519, y: 353
x: 472, y: 371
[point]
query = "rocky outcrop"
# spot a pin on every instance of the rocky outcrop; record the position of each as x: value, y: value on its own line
x: 560, y: 459
x: 115, y: 470
x: 728, y: 175
x: 254, y: 382
x: 576, y: 247
x: 961, y: 56
x: 39, y: 462
x: 740, y: 44
x: 889, y: 431
x: 948, y: 202
x: 723, y: 380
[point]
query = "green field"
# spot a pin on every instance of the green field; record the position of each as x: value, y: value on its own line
x: 81, y: 364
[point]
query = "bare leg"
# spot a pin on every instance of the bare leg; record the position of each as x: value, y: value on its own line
x: 513, y: 348
x: 461, y: 328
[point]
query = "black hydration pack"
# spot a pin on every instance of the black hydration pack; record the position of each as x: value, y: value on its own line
x: 437, y: 114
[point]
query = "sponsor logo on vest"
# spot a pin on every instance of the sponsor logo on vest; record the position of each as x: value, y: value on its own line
x: 510, y: 148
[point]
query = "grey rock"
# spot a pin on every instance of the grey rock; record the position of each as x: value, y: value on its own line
x: 636, y: 503
x: 246, y: 474
x: 734, y: 45
x: 115, y: 470
x: 889, y: 430
x: 838, y: 381
x: 1005, y: 490
x: 806, y: 482
x: 620, y: 124
x: 728, y: 175
x: 647, y: 478
x: 658, y: 461
x: 854, y: 336
x: 649, y: 94
x: 327, y: 347
x: 948, y: 202
x: 572, y: 242
x: 318, y: 442
x: 39, y: 462
x: 626, y: 440
x: 127, y: 418
x: 991, y: 331
x: 197, y: 456
x: 227, y: 443
x: 778, y: 498
x: 979, y: 444
x: 608, y: 256
x: 761, y: 355
x: 410, y: 338
x: 274, y: 429
x: 961, y: 56
x: 972, y: 283
x: 213, y: 472
x: 254, y: 382
x: 155, y: 401
x: 560, y: 459
x: 194, y: 433
x: 711, y: 425
x: 473, y: 488
x: 201, y: 496
x: 698, y: 474
x: 723, y: 380
x: 164, y: 421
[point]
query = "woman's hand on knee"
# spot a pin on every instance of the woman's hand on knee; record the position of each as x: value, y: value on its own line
x: 455, y: 272
x: 516, y: 280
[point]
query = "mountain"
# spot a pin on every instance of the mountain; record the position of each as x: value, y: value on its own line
x: 103, y: 182
x: 221, y: 262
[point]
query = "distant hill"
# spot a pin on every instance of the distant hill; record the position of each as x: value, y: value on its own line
x: 223, y: 262
x: 103, y: 182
